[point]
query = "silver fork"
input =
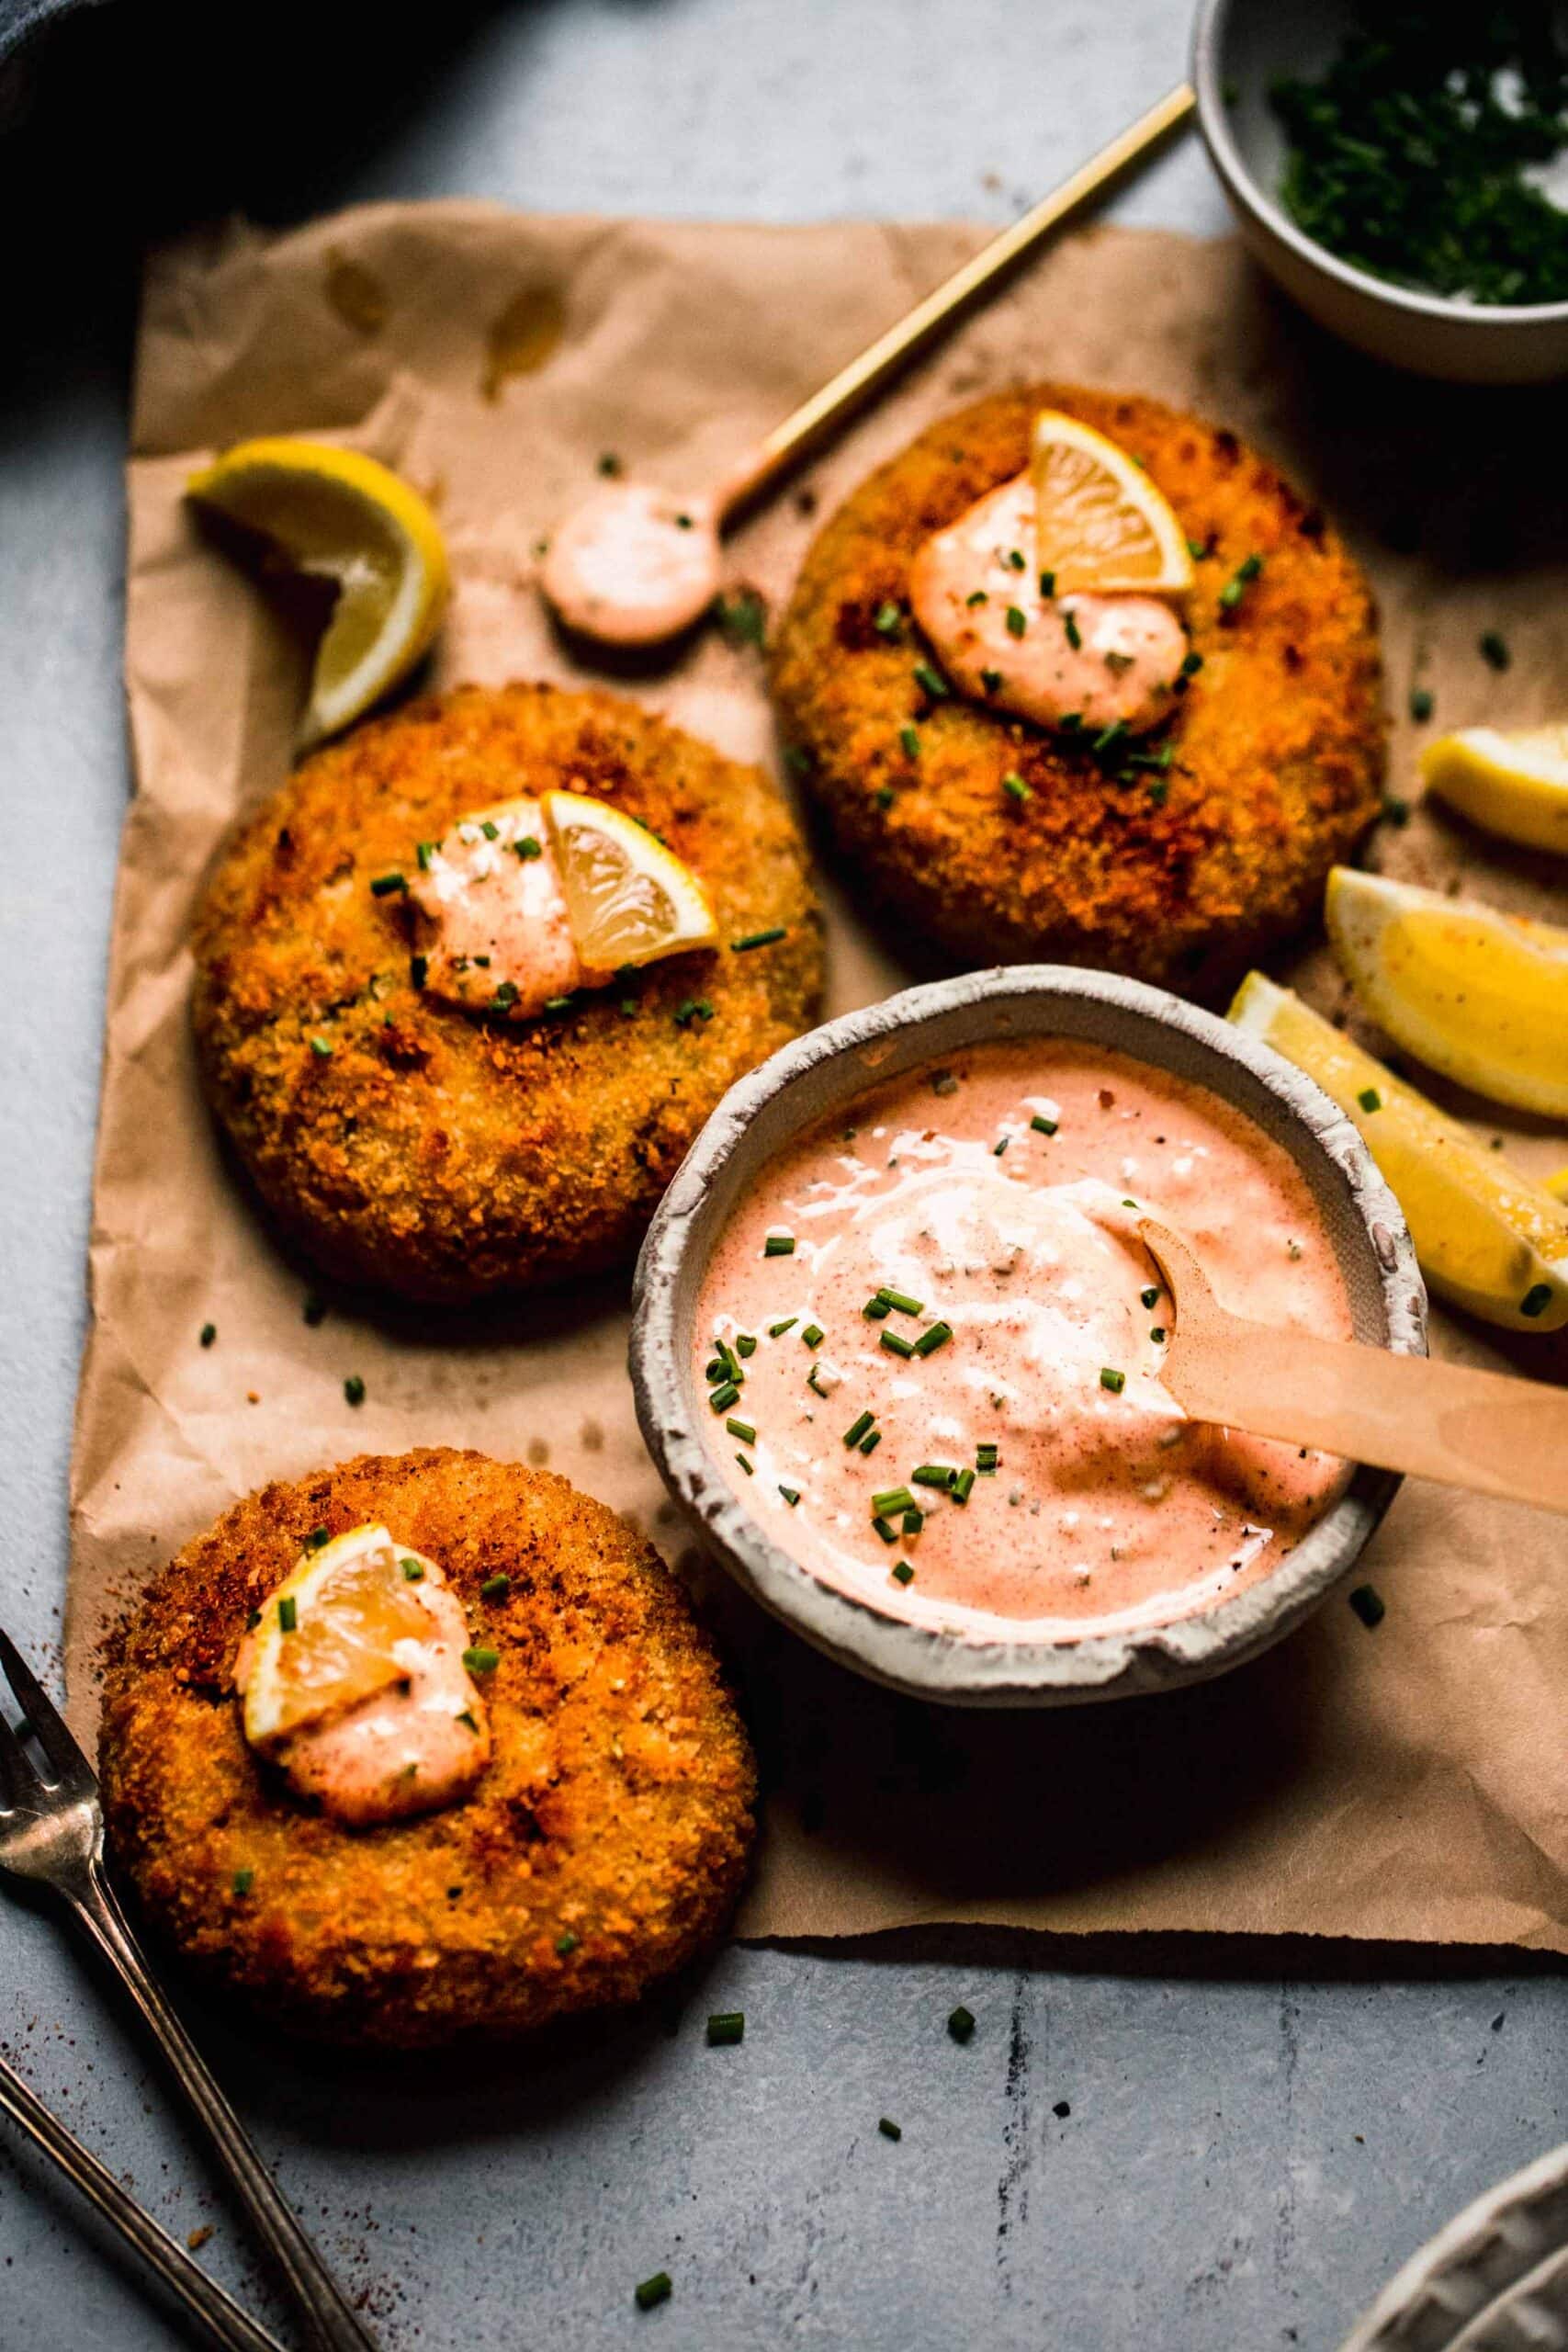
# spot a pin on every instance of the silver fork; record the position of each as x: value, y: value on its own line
x: 52, y: 1829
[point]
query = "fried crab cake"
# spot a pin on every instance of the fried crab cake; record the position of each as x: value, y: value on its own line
x: 602, y: 1847
x: 441, y: 1152
x: 1181, y: 874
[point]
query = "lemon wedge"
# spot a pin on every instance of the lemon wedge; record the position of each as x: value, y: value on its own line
x: 327, y: 1633
x: 344, y: 518
x: 1481, y: 996
x: 1513, y: 783
x: 1101, y: 525
x: 1487, y: 1238
x: 629, y: 899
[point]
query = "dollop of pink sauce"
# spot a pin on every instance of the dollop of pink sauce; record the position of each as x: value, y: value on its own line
x: 490, y: 917
x: 634, y: 565
x: 1107, y: 1507
x: 417, y: 1745
x: 965, y: 581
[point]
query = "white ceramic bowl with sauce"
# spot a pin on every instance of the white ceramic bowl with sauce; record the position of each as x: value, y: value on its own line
x: 822, y: 1074
x: 1240, y: 49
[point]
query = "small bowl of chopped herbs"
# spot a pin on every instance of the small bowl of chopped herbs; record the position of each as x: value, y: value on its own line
x: 1402, y: 172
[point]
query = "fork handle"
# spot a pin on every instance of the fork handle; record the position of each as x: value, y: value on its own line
x: 330, y: 2325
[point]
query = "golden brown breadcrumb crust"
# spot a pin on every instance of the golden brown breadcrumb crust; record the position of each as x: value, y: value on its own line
x: 1278, y: 740
x: 603, y: 1849
x: 444, y: 1154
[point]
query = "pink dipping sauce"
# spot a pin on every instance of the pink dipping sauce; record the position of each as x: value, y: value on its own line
x: 1106, y: 1509
x: 966, y: 580
x: 634, y: 565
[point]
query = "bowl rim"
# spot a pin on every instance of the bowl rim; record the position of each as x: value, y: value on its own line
x: 929, y: 1662
x: 1247, y: 191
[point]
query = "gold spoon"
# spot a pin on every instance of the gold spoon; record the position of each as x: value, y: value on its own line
x: 633, y: 565
x: 1481, y: 1430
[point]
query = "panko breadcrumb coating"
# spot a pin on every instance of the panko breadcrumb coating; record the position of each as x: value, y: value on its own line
x: 602, y: 1848
x: 1180, y: 875
x: 403, y: 1142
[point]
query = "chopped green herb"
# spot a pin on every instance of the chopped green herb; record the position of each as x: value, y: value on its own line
x: 777, y: 1330
x: 317, y: 1537
x: 986, y: 1457
x: 902, y: 1572
x: 1420, y: 704
x: 894, y: 1343
x: 480, y: 1659
x: 726, y: 2028
x: 1369, y: 1605
x: 745, y: 1343
x: 354, y: 1389
x: 1015, y: 621
x: 936, y: 1335
x: 1536, y: 1300
x: 526, y: 847
x: 419, y: 968
x: 743, y: 1430
x: 1043, y: 1126
x: 891, y: 1498
x: 962, y: 1485
x: 1150, y: 1297
x: 813, y: 1335
x: 791, y: 1494
x: 1190, y: 664
x: 1014, y: 560
x: 1074, y: 635
x: 742, y: 618
x: 322, y: 1048
x: 414, y: 1570
x: 1395, y: 810
x: 287, y: 1614
x: 1114, y: 1380
x: 693, y: 1008
x: 909, y: 742
x: 885, y: 1529
x: 888, y: 2128
x: 998, y: 1148
x: 566, y: 1943
x: 992, y: 681
x: 243, y: 1881
x: 1494, y: 649
x: 914, y: 1519
x: 208, y: 1333
x: 425, y: 852
x: 1241, y: 578
x: 723, y: 1397
x: 1047, y: 585
x: 504, y: 998
x: 934, y: 1474
x: 470, y: 1721
x: 1015, y: 787
x: 779, y: 1245
x: 1369, y: 1099
x: 496, y: 1588
x: 656, y: 2290
x: 857, y: 1428
x: 883, y: 796
x: 977, y: 596
x: 609, y: 463
x: 961, y: 2023
x: 746, y: 1465
x: 901, y: 1300
x: 930, y: 681
x: 758, y: 938
x: 383, y: 885
x: 890, y: 620
x: 876, y: 1308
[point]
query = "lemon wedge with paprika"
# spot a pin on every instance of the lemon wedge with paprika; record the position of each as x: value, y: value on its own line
x: 1486, y: 1237
x: 344, y: 518
x: 629, y: 899
x: 1101, y: 527
x: 1512, y: 781
x: 1481, y: 996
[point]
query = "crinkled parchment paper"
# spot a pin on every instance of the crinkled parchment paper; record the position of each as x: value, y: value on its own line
x: 1407, y: 1782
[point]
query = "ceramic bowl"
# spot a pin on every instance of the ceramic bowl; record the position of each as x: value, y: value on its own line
x: 826, y: 1072
x: 1240, y: 49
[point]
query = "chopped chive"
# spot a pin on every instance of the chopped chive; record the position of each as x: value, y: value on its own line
x: 815, y: 1384
x: 243, y: 1881
x: 726, y: 2028
x: 1157, y: 1334
x: 902, y: 1572
x: 414, y: 1570
x: 857, y: 1428
x: 1075, y: 637
x: 987, y: 1456
x: 1015, y: 559
x: 1369, y: 1605
x: 961, y: 2023
x: 317, y: 1537
x: 287, y: 1614
x: 992, y: 681
x: 526, y: 847
x: 742, y: 1430
x: 888, y: 619
x: 693, y: 1008
x: 714, y: 1370
x: 962, y: 1485
x: 901, y: 1300
x: 888, y: 2128
x: 469, y: 1721
x: 886, y: 1529
x: 909, y: 742
x: 1114, y: 1380
x: 1150, y: 1297
x: 496, y: 1588
x: 566, y: 1943
x: 656, y: 2290
x: 1395, y: 810
x: 1044, y: 1127
x: 480, y: 1659
x: 1017, y: 624
x: 504, y: 998
x: 383, y: 885
x: 936, y: 1335
x: 746, y: 1465
x: 1190, y: 664
x: 1015, y: 787
x: 868, y: 1444
x: 425, y: 852
x: 791, y: 1494
x: 894, y: 1345
x: 777, y: 1330
x: 977, y: 596
x: 1494, y: 649
x: 491, y: 831
x: 934, y: 1474
x: 813, y: 1335
x: 1536, y: 1300
x: 723, y: 1397
x: 891, y: 1498
x: 253, y: 1619
x: 876, y: 1308
x: 207, y: 1334
x: 322, y: 1048
x: 1369, y: 1099
x: 779, y: 1245
x: 745, y: 1344
x: 354, y: 1389
x: 883, y: 796
x: 930, y: 681
x: 1047, y: 585
x: 1197, y: 549
x: 758, y: 938
x: 914, y: 1519
x: 1420, y: 704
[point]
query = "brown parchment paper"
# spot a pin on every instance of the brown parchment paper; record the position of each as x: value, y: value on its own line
x: 1410, y: 1782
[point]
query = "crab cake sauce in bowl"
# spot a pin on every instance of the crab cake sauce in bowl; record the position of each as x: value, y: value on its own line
x: 279, y: 1839
x: 421, y: 1118
x: 1172, y: 841
x: 897, y: 1342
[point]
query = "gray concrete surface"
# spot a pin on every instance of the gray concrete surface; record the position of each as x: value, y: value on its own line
x: 1255, y: 2139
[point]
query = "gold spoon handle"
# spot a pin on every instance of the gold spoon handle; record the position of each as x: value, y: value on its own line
x: 866, y: 374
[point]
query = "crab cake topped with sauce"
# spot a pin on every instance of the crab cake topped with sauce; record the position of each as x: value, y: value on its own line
x: 467, y: 985
x: 1188, y: 769
x: 532, y: 1797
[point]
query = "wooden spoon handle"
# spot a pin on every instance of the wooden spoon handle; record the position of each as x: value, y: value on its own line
x: 1478, y: 1430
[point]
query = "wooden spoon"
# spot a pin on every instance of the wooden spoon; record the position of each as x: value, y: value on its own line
x: 634, y: 566
x: 1478, y: 1430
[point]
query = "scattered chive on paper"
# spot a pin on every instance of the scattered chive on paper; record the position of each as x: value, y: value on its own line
x: 1369, y: 1605
x: 726, y: 2028
x: 961, y: 2023
x: 656, y: 2290
x: 888, y: 2128
x: 207, y: 1334
x: 354, y: 1389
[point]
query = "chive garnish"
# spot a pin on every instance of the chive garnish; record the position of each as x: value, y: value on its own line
x: 1015, y: 559
x: 526, y: 847
x: 814, y: 1384
x: 777, y: 1330
x: 207, y: 1334
x: 888, y: 619
x: 1075, y: 637
x: 1114, y: 1380
x: 414, y: 1570
x: 883, y: 796
x: 1017, y: 624
x: 934, y: 1474
x: 566, y: 1943
x: 1536, y: 1300
x: 746, y: 1465
x: 1236, y: 586
x: 469, y: 1721
x: 480, y: 1659
x: 745, y: 1344
x: 691, y: 1008
x: 1420, y: 704
x: 743, y: 1430
x: 930, y: 681
x: 813, y: 1335
x: 913, y: 1520
x: 886, y: 1529
x: 868, y: 1444
x: 243, y: 1881
x: 383, y: 885
x: 961, y: 2023
x: 723, y: 1397
x: 491, y: 831
x: 496, y: 1588
x: 317, y: 1537
x: 1369, y: 1099
x: 791, y: 1494
x: 876, y: 1307
x: 902, y: 1572
x: 1369, y: 1605
x: 1190, y: 664
x: 962, y: 1485
x: 992, y: 681
x: 977, y: 596
x: 937, y: 1335
x: 656, y: 2290
x: 909, y: 742
x: 1150, y: 1297
x: 726, y: 2028
x: 1047, y: 585
x: 893, y: 1344
x: 758, y: 938
x: 779, y: 1245
x: 901, y: 1300
x: 425, y: 852
x: 354, y: 1389
x: 891, y: 1498
x: 1157, y: 1334
x: 504, y: 998
x: 322, y: 1048
x: 888, y: 2128
x: 986, y: 1457
x: 1043, y: 1126
x: 1494, y: 649
x: 287, y: 1614
x: 1015, y: 787
x: 857, y: 1428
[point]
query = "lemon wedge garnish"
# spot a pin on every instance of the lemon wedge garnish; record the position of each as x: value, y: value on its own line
x: 629, y: 899
x: 327, y: 1633
x: 1509, y: 782
x: 1481, y: 996
x: 1486, y: 1237
x: 1101, y: 525
x: 343, y: 518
